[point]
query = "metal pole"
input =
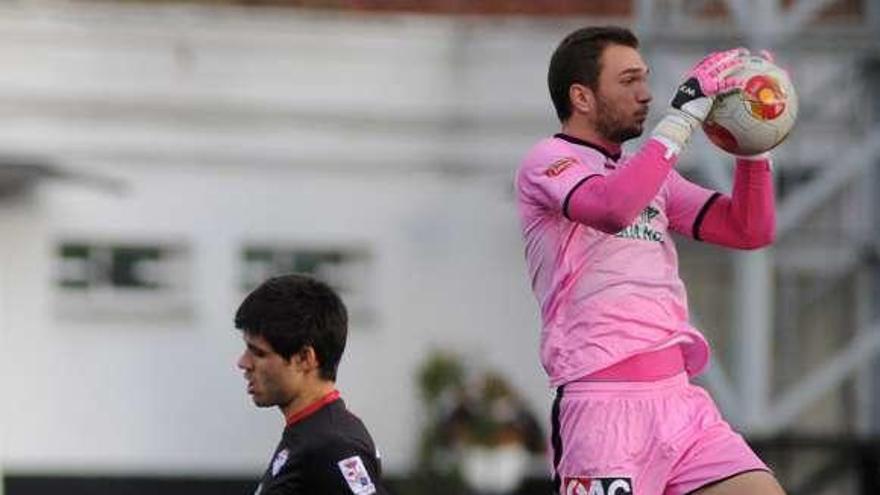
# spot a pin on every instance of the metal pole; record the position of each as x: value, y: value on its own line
x: 868, y: 279
x: 645, y: 14
x: 4, y: 359
x: 753, y: 271
x: 871, y: 296
x: 799, y: 15
x: 863, y: 379
x: 753, y: 317
x: 872, y: 8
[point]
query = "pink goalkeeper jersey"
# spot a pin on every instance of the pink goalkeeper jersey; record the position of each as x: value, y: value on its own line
x: 604, y: 297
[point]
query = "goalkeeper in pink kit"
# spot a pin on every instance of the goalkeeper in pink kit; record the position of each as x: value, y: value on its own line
x: 597, y: 225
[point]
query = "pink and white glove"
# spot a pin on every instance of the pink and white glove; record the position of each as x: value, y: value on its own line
x: 712, y: 76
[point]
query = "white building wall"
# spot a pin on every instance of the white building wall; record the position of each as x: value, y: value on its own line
x: 164, y: 396
x: 225, y: 127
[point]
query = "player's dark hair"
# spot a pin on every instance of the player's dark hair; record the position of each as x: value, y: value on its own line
x: 577, y: 61
x: 294, y: 311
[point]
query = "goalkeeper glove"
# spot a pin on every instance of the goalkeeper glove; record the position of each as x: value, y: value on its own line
x: 712, y: 76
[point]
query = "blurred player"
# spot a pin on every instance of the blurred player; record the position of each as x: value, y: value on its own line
x: 294, y: 329
x: 616, y: 339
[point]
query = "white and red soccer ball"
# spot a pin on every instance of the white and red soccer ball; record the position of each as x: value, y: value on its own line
x: 759, y: 116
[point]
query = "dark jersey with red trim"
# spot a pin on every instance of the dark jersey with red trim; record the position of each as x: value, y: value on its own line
x: 327, y: 452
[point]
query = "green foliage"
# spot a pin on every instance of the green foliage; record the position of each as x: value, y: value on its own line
x: 442, y: 372
x: 463, y: 411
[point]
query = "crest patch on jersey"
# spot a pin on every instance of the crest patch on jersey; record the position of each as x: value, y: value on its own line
x: 279, y: 461
x: 556, y: 168
x: 356, y: 475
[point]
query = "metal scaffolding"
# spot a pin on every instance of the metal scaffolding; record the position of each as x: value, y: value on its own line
x: 747, y: 392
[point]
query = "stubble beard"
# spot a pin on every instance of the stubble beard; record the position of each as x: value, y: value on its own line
x: 610, y: 124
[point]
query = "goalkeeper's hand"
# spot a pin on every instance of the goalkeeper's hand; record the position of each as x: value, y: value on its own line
x: 712, y: 76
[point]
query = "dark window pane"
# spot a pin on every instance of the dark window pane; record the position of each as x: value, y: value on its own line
x: 135, y: 267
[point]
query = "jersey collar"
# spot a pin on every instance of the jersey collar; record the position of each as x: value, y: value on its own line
x: 312, y: 408
x: 573, y: 140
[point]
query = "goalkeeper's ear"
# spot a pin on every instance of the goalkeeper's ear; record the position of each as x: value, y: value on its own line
x: 583, y: 99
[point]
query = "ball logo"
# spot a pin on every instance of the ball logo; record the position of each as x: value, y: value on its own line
x: 764, y: 97
x: 597, y: 486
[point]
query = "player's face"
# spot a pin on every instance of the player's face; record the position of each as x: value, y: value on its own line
x: 623, y: 95
x: 271, y: 379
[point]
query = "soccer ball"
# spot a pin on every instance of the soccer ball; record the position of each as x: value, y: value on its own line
x: 759, y: 116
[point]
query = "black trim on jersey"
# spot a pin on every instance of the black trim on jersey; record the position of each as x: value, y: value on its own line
x: 573, y: 189
x: 556, y: 439
x: 734, y: 475
x: 581, y: 142
x: 702, y: 214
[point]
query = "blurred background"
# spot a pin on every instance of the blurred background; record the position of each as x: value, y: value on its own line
x: 158, y: 159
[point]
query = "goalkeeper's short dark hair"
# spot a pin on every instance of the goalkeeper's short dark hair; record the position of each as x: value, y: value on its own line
x: 577, y: 60
x: 294, y: 311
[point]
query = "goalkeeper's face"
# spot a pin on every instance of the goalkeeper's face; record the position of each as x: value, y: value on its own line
x: 622, y: 96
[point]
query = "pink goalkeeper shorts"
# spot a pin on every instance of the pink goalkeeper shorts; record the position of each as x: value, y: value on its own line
x: 663, y: 437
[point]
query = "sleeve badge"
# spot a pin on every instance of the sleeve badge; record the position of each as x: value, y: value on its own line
x: 356, y: 475
x: 556, y: 168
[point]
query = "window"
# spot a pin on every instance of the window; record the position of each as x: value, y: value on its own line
x: 97, y: 280
x: 347, y: 269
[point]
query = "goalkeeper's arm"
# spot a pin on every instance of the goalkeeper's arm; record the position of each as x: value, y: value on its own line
x: 611, y: 202
x: 747, y: 218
